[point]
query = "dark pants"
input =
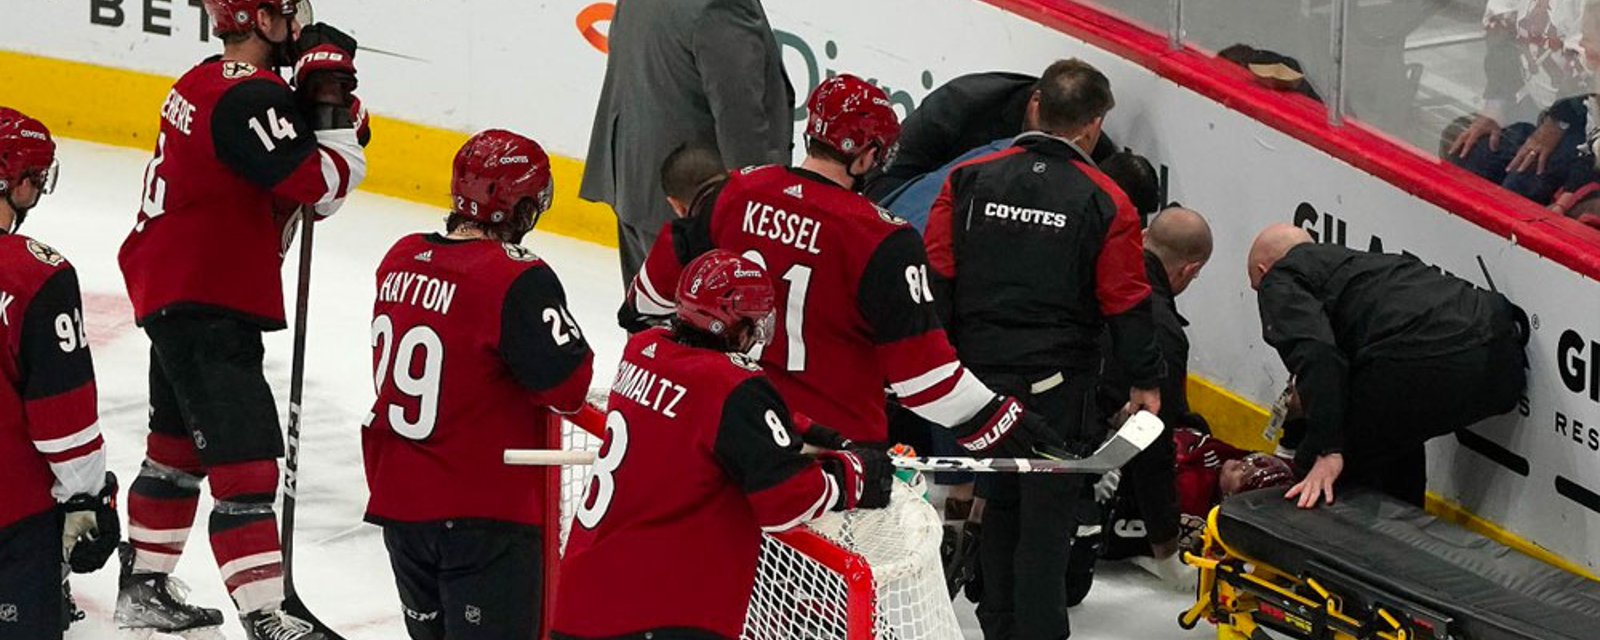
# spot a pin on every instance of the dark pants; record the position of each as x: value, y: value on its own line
x: 207, y: 385
x: 1030, y: 519
x: 467, y: 581
x: 1397, y: 405
x: 633, y: 246
x: 31, y: 601
x: 1567, y: 166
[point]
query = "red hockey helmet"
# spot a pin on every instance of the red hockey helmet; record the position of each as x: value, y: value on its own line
x: 1262, y: 470
x: 720, y: 292
x: 239, y: 16
x: 495, y: 171
x: 850, y: 116
x: 26, y: 152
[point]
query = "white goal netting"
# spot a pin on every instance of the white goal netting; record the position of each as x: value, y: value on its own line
x: 846, y: 576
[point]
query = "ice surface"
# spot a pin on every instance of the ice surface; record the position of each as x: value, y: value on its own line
x: 341, y: 567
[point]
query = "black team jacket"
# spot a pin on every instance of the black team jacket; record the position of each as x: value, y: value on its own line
x: 1034, y: 252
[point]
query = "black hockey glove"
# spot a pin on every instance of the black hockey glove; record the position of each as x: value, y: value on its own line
x: 865, y: 475
x: 325, y: 66
x: 1004, y: 429
x: 91, y: 529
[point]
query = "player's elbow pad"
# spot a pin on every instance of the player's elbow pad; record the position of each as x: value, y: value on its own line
x: 800, y: 499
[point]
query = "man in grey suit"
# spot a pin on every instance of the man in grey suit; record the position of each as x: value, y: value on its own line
x: 706, y: 71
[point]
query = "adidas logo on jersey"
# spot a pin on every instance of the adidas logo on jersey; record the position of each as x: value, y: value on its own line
x: 795, y: 192
x: 649, y: 351
x: 426, y: 256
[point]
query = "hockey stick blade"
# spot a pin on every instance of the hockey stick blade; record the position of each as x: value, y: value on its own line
x: 297, y: 608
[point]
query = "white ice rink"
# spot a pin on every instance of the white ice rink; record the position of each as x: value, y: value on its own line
x: 341, y: 567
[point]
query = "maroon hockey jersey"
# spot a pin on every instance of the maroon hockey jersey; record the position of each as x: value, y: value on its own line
x: 856, y: 309
x: 699, y: 458
x: 232, y: 141
x: 50, y: 445
x: 472, y: 345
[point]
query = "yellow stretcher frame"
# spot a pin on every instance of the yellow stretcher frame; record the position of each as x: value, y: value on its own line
x: 1243, y: 596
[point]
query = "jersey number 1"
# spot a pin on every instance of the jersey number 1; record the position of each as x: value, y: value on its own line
x: 794, y: 311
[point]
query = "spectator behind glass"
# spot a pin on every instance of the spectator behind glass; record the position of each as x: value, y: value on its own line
x: 963, y: 114
x: 687, y: 171
x: 1536, y: 82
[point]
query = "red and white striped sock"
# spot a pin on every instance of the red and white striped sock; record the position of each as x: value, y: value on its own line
x: 162, y: 503
x: 244, y: 533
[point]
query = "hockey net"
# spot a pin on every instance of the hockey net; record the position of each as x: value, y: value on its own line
x: 855, y: 575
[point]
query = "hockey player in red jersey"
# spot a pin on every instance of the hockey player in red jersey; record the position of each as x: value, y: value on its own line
x: 700, y: 457
x: 203, y: 270
x: 60, y: 500
x: 472, y: 346
x: 856, y: 305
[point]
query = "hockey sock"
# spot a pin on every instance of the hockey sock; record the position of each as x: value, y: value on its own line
x: 162, y: 503
x: 244, y: 533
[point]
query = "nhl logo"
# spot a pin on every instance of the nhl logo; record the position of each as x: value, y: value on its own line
x: 8, y: 612
x: 43, y: 253
x: 474, y: 615
x: 1038, y: 167
x: 716, y: 326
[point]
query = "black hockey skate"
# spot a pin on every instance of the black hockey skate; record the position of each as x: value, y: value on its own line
x: 279, y: 625
x: 152, y: 603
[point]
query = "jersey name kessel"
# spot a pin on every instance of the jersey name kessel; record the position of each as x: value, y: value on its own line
x: 652, y: 391
x: 766, y: 221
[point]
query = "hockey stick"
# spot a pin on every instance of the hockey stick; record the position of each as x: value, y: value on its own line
x: 297, y: 378
x: 1135, y: 435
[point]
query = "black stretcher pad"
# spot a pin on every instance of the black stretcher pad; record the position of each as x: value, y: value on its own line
x: 1400, y: 554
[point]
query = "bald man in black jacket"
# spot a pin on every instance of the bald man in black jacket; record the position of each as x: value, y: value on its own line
x: 1387, y: 352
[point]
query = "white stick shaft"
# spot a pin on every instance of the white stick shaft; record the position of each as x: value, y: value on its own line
x: 548, y: 457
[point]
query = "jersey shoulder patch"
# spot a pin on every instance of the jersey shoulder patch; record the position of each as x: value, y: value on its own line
x: 519, y: 253
x: 45, y: 253
x: 744, y: 362
x: 889, y: 217
x: 235, y: 69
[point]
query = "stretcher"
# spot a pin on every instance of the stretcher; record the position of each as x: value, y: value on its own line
x: 1371, y: 568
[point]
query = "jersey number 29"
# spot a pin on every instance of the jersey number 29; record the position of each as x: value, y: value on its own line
x: 423, y: 385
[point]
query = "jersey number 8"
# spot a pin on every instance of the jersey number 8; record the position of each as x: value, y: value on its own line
x: 602, y: 484
x: 423, y: 385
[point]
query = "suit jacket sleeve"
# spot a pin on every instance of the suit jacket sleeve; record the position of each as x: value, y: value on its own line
x: 730, y: 51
